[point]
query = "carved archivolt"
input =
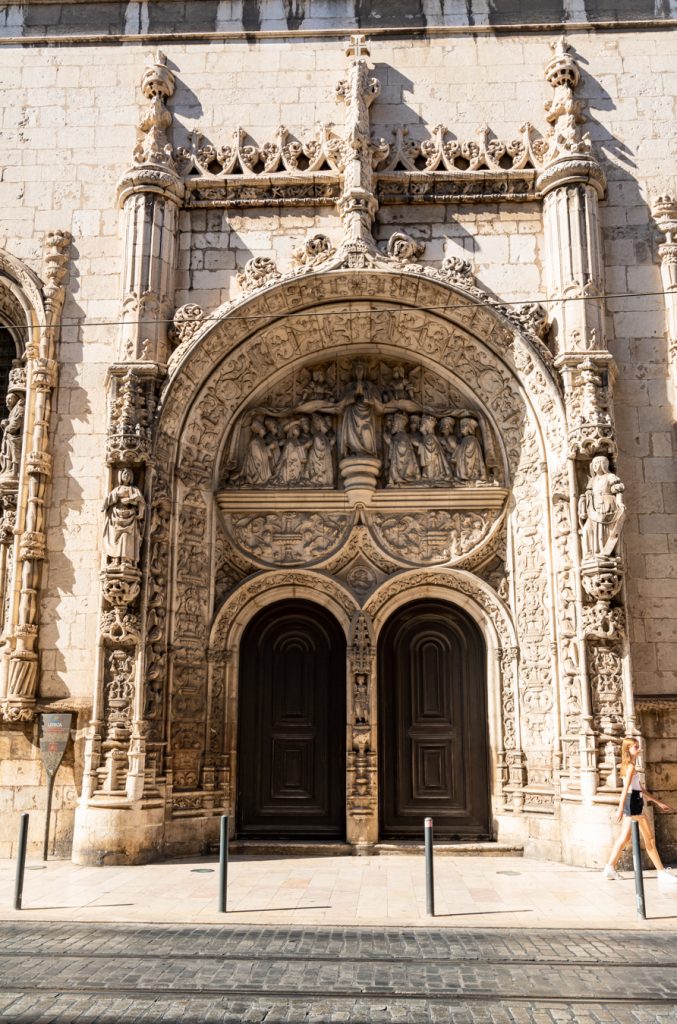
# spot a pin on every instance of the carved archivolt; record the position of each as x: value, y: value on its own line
x: 385, y: 598
x: 31, y: 312
x: 267, y: 587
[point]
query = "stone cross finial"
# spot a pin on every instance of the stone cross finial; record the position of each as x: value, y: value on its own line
x: 357, y: 47
x: 358, y: 203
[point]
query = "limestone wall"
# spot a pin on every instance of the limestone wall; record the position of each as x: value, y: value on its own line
x: 68, y: 131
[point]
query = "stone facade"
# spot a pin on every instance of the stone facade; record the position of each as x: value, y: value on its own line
x: 377, y: 355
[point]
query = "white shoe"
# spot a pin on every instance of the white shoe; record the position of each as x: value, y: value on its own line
x: 611, y: 874
x: 667, y: 881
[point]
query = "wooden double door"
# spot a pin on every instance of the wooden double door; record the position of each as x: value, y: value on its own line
x: 433, y: 745
x: 433, y: 749
x: 292, y: 724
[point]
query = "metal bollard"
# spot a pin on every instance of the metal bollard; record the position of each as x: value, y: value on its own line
x: 637, y: 865
x: 223, y: 864
x: 429, y: 878
x: 21, y: 862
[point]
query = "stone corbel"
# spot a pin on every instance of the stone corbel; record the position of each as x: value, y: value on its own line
x: 665, y: 214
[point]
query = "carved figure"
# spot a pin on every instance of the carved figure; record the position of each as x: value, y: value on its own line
x: 361, y: 699
x: 402, y: 464
x: 400, y: 386
x: 601, y: 510
x: 470, y: 463
x: 124, y: 509
x: 320, y: 464
x: 447, y: 428
x: 273, y: 443
x: 293, y: 459
x: 256, y: 468
x: 434, y: 466
x: 12, y: 426
x: 361, y: 402
x: 318, y: 386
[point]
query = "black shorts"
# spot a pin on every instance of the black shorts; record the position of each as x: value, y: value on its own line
x: 634, y: 804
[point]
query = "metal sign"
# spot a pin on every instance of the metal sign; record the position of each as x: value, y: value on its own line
x: 54, y: 735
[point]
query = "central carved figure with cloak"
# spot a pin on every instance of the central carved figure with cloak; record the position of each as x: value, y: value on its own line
x: 360, y: 404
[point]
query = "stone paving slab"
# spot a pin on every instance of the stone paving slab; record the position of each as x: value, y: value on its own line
x: 66, y: 973
x: 513, y: 892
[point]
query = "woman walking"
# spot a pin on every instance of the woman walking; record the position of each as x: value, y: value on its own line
x: 631, y: 808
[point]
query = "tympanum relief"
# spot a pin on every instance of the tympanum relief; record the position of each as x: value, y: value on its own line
x: 306, y: 431
x: 387, y: 445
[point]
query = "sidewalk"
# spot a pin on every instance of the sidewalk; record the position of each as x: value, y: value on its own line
x: 505, y: 892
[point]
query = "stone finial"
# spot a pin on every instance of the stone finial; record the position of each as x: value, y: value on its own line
x: 664, y: 209
x: 357, y: 47
x: 562, y: 69
x: 157, y: 85
x: 157, y: 79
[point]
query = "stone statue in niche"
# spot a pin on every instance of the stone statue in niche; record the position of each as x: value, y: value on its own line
x: 124, y: 510
x: 469, y: 458
x: 434, y: 466
x: 361, y: 699
x: 12, y: 427
x: 601, y: 510
x: 400, y: 424
x: 320, y: 463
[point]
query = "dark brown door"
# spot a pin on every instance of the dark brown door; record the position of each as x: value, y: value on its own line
x: 433, y: 723
x: 291, y: 747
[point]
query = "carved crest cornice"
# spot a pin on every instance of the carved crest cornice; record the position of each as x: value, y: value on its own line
x: 351, y: 169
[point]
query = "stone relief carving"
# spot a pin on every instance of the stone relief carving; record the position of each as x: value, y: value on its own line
x: 285, y: 538
x: 429, y: 538
x: 606, y: 676
x: 399, y: 416
x: 133, y: 400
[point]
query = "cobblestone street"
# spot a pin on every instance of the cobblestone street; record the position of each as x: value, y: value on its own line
x: 81, y: 974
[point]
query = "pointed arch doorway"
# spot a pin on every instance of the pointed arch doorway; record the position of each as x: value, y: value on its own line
x: 291, y: 724
x: 433, y: 733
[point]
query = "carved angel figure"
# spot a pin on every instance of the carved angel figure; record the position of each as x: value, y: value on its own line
x: 601, y: 510
x: 434, y: 466
x: 12, y: 426
x: 256, y: 468
x: 402, y: 464
x: 470, y: 464
x: 320, y: 464
x: 124, y: 509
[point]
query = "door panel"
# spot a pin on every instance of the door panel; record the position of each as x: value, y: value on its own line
x: 291, y: 745
x: 433, y: 729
